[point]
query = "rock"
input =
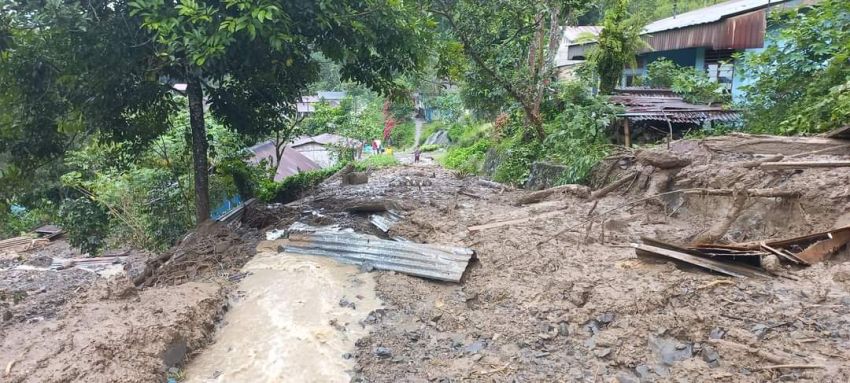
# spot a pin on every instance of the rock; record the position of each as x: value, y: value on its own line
x: 383, y: 352
x: 626, y: 378
x: 475, y: 347
x: 669, y: 350
x: 347, y: 356
x: 366, y: 267
x: 544, y: 175
x: 602, y: 352
x: 355, y: 178
x: 716, y: 333
x: 845, y: 300
x: 440, y: 137
x: 710, y: 356
x: 606, y: 318
x: 661, y: 160
x: 760, y: 330
x: 771, y: 263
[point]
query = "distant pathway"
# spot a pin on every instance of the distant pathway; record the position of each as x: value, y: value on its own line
x: 418, y: 122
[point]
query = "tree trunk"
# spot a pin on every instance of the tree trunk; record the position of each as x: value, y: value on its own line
x: 195, y: 93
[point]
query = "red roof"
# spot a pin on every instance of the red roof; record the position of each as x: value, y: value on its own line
x: 292, y: 162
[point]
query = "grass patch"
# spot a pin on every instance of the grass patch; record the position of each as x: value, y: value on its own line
x: 429, y: 148
x: 376, y: 162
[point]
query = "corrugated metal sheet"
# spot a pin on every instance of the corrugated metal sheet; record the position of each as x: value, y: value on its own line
x: 736, y: 24
x: 292, y: 162
x: 445, y: 263
x: 665, y: 107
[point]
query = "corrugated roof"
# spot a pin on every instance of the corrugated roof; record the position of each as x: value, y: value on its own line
x: 441, y: 262
x: 663, y: 105
x: 292, y: 162
x: 708, y: 14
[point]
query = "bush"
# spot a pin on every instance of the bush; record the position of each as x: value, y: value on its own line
x: 466, y: 159
x: 661, y: 73
x: 86, y: 224
x: 376, y: 162
x: 294, y: 186
x: 403, y: 135
x: 429, y: 148
x: 693, y: 85
x: 517, y: 156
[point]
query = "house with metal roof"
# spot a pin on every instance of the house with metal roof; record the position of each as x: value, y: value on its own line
x: 705, y: 39
x: 324, y: 148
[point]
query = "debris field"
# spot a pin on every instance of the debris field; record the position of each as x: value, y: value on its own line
x: 720, y: 259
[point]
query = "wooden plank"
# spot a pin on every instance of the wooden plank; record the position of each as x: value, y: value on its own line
x: 665, y: 254
x: 820, y: 251
x: 515, y: 221
x: 805, y: 165
x: 783, y: 254
x: 781, y: 243
x: 684, y: 257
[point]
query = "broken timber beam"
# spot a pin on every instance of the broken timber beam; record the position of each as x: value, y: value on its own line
x: 613, y: 186
x: 805, y: 165
x: 668, y: 254
x: 580, y: 191
x: 515, y: 221
x: 766, y: 193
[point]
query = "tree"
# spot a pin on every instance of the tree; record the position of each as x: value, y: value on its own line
x: 512, y: 46
x: 76, y: 67
x: 617, y: 46
x: 802, y: 77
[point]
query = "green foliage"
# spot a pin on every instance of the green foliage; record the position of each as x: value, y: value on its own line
x: 617, y: 45
x: 467, y: 157
x: 517, y: 155
x: 578, y: 134
x: 376, y: 161
x: 403, y: 135
x: 86, y: 224
x: 294, y: 187
x: 693, y: 85
x: 429, y: 148
x: 661, y: 73
x: 803, y: 76
x: 14, y: 222
x: 449, y: 105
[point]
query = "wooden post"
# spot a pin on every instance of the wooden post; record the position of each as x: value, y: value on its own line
x: 627, y: 133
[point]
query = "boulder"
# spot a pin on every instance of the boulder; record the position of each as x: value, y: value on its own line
x: 544, y: 175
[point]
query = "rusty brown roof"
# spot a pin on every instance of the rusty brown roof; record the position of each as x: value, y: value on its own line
x: 663, y: 105
x: 292, y: 162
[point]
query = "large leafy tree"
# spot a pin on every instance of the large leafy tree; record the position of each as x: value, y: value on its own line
x: 511, y: 45
x: 617, y: 45
x: 76, y: 67
x: 803, y: 77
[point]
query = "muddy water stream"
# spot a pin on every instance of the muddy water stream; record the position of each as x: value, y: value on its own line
x: 295, y: 319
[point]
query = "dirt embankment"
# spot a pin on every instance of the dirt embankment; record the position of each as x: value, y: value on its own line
x: 74, y: 325
x: 558, y: 299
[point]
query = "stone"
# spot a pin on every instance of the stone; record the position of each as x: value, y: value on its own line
x: 716, y: 333
x: 669, y: 350
x: 710, y: 356
x: 355, y: 178
x: 771, y: 263
x: 626, y: 378
x: 760, y: 330
x: 845, y: 300
x: 475, y: 347
x: 606, y: 318
x: 544, y: 175
x: 383, y: 352
x: 602, y: 352
x: 347, y: 356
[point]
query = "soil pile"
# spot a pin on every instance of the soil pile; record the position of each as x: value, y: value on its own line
x: 560, y: 296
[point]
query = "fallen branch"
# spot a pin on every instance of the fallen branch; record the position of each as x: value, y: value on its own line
x: 778, y: 366
x: 770, y: 357
x: 757, y: 163
x: 613, y: 186
x: 716, y: 283
x: 580, y: 191
x: 805, y: 165
x: 765, y: 193
x: 813, y: 152
x: 491, y: 184
x: 516, y: 221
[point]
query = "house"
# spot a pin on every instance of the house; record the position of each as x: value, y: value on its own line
x: 324, y: 148
x: 705, y: 39
x: 572, y: 35
x: 307, y: 105
x: 292, y: 162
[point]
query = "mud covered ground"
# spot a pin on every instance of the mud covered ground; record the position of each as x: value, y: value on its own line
x: 97, y: 325
x: 581, y: 306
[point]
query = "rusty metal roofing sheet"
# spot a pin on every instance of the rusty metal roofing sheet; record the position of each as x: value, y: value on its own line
x: 661, y: 106
x: 441, y: 262
x: 738, y: 24
x: 293, y: 162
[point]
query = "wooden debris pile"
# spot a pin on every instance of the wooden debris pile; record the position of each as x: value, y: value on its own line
x: 747, y: 259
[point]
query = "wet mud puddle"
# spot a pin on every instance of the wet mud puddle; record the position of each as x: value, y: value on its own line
x: 295, y: 320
